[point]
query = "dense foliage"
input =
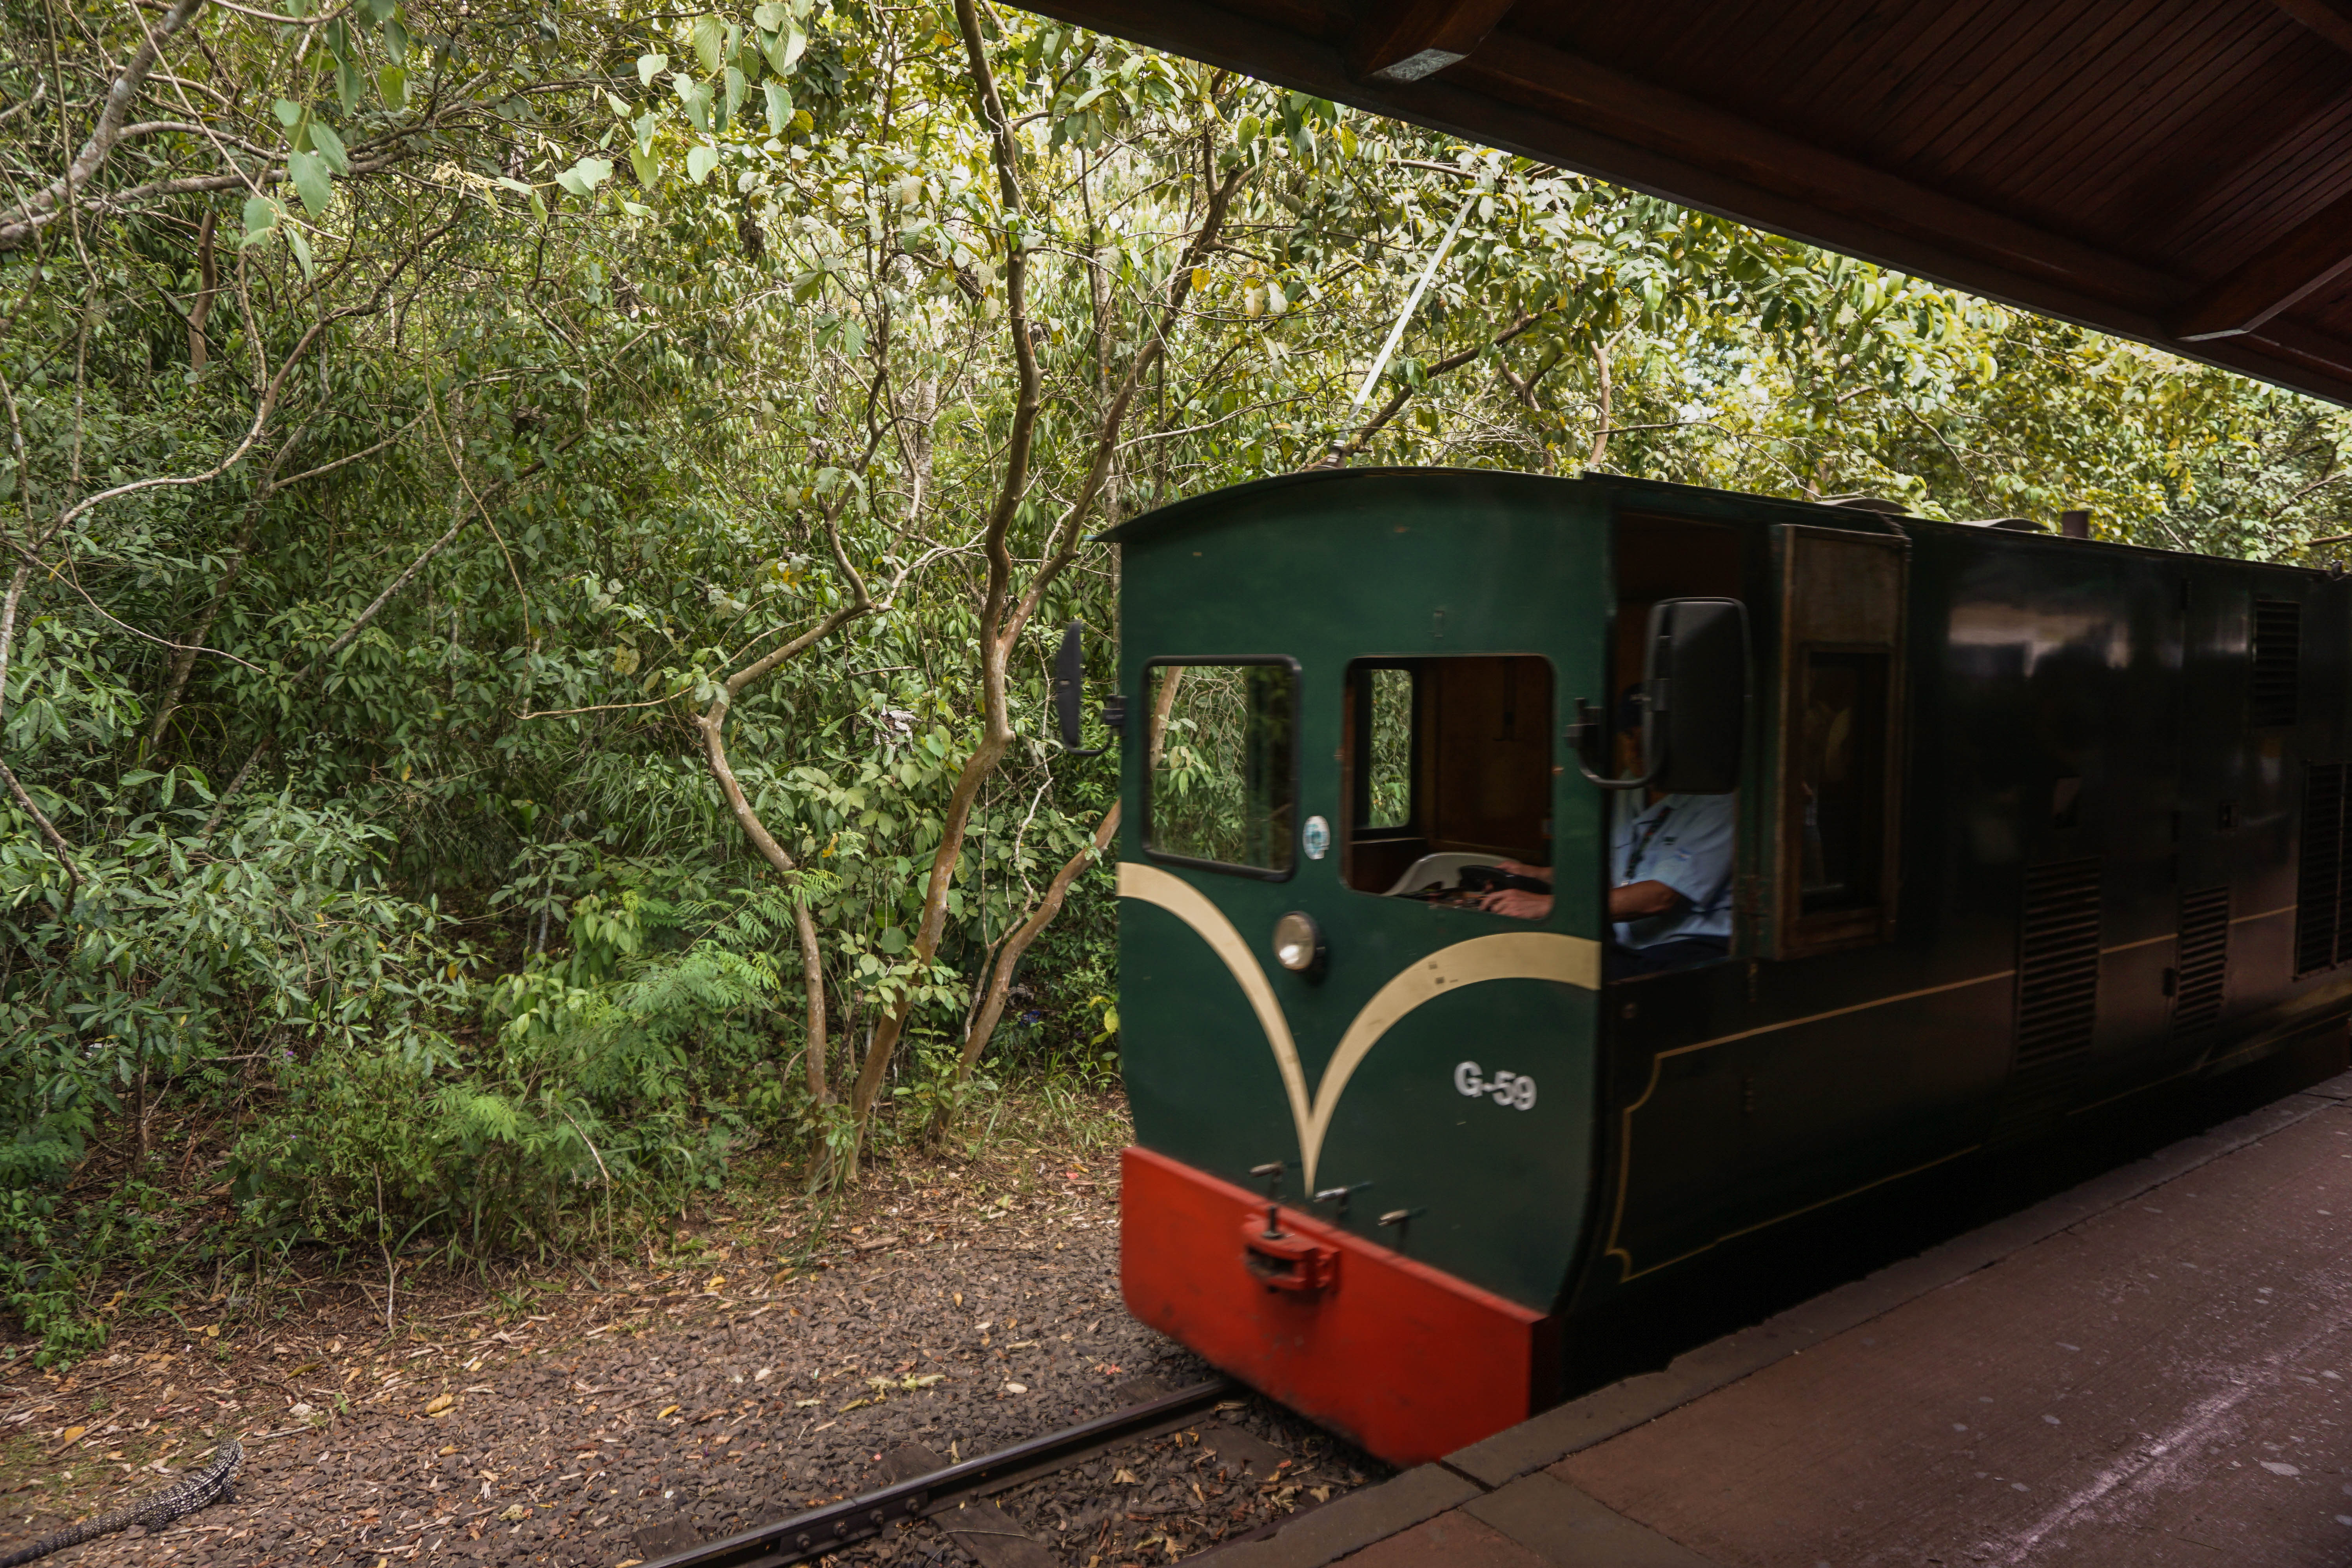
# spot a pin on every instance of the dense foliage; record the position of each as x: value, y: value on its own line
x: 534, y: 539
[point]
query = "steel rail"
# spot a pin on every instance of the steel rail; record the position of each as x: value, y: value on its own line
x: 861, y: 1518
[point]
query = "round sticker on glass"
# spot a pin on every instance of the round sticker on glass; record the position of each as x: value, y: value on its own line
x: 1317, y: 836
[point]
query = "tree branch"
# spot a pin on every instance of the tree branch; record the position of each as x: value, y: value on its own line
x: 1008, y: 957
x: 1002, y: 618
x: 1338, y: 456
x: 17, y: 225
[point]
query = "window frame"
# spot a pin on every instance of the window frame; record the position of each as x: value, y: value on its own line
x: 1296, y: 781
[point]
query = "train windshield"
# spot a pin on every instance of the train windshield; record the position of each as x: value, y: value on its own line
x: 1223, y: 784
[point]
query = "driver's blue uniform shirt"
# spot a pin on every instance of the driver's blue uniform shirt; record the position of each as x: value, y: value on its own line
x: 1683, y: 841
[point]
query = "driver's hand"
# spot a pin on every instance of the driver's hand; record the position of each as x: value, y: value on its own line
x: 1517, y: 902
x: 1520, y: 868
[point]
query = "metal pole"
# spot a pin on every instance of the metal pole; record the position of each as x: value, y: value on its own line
x: 1412, y: 302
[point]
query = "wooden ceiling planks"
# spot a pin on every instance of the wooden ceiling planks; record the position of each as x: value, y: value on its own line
x: 2148, y: 167
x: 2306, y: 165
x: 2194, y: 198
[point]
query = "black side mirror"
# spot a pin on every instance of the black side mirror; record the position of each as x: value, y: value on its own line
x: 1069, y: 696
x: 1694, y: 698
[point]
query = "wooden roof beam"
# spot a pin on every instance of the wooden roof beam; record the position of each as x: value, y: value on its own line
x: 1405, y: 40
x: 2313, y: 255
x: 2327, y: 17
x: 1576, y: 94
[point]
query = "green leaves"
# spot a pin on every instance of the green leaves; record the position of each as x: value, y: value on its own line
x: 701, y: 161
x: 650, y: 67
x: 780, y: 106
x: 642, y: 157
x: 308, y: 171
x: 695, y: 96
x: 261, y: 216
x: 329, y: 148
x: 708, y: 37
x: 782, y: 50
x: 583, y: 178
x: 266, y: 219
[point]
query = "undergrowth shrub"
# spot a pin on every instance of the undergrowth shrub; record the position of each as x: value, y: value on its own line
x: 602, y: 1086
x: 382, y: 1094
x: 174, y: 951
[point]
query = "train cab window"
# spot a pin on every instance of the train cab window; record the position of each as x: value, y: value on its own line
x: 1836, y: 788
x: 1222, y: 792
x: 1449, y: 766
x: 1841, y: 777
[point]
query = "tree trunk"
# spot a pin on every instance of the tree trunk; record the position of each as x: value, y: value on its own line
x: 139, y: 1107
x: 1009, y: 956
x: 208, y: 273
x: 812, y: 976
x: 812, y: 973
x: 1005, y: 613
x: 983, y: 1027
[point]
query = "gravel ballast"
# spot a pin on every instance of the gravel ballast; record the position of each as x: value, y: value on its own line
x: 654, y: 1411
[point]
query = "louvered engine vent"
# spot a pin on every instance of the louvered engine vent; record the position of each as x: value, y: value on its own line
x: 2057, y: 964
x: 2278, y: 657
x: 2319, y: 883
x: 2057, y: 996
x: 2203, y: 959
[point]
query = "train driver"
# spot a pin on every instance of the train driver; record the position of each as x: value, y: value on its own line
x: 1670, y: 868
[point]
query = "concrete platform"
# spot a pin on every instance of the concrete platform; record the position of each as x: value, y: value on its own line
x: 2152, y: 1368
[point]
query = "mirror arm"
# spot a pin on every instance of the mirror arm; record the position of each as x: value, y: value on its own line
x: 1114, y: 718
x: 1584, y: 735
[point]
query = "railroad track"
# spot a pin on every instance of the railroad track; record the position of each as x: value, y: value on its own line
x: 862, y: 1518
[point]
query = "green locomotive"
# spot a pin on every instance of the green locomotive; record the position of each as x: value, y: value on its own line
x: 2007, y: 825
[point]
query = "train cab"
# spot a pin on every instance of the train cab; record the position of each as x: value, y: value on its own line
x: 1529, y: 884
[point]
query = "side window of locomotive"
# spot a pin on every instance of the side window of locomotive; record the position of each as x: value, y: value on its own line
x: 1832, y: 875
x: 1222, y: 787
x: 1449, y: 766
x: 1841, y: 777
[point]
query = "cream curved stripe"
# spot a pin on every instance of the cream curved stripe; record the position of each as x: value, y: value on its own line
x: 1509, y: 956
x: 1187, y: 903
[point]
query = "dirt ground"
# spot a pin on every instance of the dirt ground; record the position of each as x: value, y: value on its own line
x: 590, y: 1414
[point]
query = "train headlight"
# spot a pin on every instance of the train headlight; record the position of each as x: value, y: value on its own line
x: 1298, y: 943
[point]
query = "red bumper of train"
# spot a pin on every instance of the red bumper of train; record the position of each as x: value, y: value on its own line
x: 1408, y: 1362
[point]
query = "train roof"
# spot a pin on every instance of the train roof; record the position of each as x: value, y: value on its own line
x: 2181, y: 175
x: 1663, y: 494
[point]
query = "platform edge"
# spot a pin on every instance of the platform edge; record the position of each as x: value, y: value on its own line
x: 1352, y: 1523
x: 1497, y: 1461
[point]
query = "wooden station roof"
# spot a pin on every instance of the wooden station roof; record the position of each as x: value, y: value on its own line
x: 2175, y: 171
